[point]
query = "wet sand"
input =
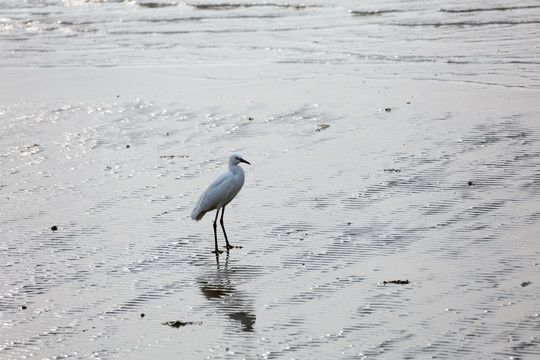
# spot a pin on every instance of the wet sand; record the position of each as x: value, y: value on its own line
x: 355, y: 182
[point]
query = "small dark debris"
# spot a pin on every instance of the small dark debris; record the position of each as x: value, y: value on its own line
x: 321, y: 127
x: 31, y: 146
x: 178, y: 324
x: 128, y: 146
x: 142, y: 315
x: 24, y: 307
x: 526, y: 283
x: 397, y: 282
x: 349, y: 223
x: 108, y: 168
x: 388, y: 109
x: 250, y: 118
x: 408, y: 103
x: 470, y: 183
x: 392, y: 170
x: 173, y: 156
x: 54, y: 228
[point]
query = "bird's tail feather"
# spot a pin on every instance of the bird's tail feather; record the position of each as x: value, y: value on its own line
x: 197, y: 215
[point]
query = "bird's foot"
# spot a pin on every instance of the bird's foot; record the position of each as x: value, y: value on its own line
x: 217, y: 252
x: 233, y: 247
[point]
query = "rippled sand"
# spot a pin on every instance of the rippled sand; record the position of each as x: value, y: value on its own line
x: 434, y: 183
x: 390, y: 211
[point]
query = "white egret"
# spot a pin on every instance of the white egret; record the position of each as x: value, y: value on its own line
x: 219, y: 193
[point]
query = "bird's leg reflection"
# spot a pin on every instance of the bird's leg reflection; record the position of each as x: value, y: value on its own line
x: 226, y: 261
x: 219, y: 288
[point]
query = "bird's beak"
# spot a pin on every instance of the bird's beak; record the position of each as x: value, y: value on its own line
x: 244, y: 161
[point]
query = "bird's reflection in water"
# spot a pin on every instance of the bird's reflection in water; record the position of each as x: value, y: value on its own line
x: 219, y: 287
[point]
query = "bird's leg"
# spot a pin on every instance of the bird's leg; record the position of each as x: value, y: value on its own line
x: 223, y: 227
x: 217, y: 251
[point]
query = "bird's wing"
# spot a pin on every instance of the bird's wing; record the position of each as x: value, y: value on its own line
x: 212, y: 196
x: 221, y: 178
x: 219, y: 192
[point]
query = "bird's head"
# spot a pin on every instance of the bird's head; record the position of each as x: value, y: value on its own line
x: 236, y: 159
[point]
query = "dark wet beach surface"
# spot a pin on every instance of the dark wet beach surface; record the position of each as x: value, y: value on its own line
x: 391, y: 209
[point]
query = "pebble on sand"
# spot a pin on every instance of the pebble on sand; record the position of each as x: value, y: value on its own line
x: 321, y: 127
x: 397, y: 282
x: 178, y: 323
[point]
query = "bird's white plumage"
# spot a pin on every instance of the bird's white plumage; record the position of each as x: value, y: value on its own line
x: 222, y: 190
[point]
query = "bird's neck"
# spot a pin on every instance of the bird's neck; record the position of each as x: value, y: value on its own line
x: 236, y: 169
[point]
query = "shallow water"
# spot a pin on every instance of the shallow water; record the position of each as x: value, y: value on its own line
x: 115, y: 116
